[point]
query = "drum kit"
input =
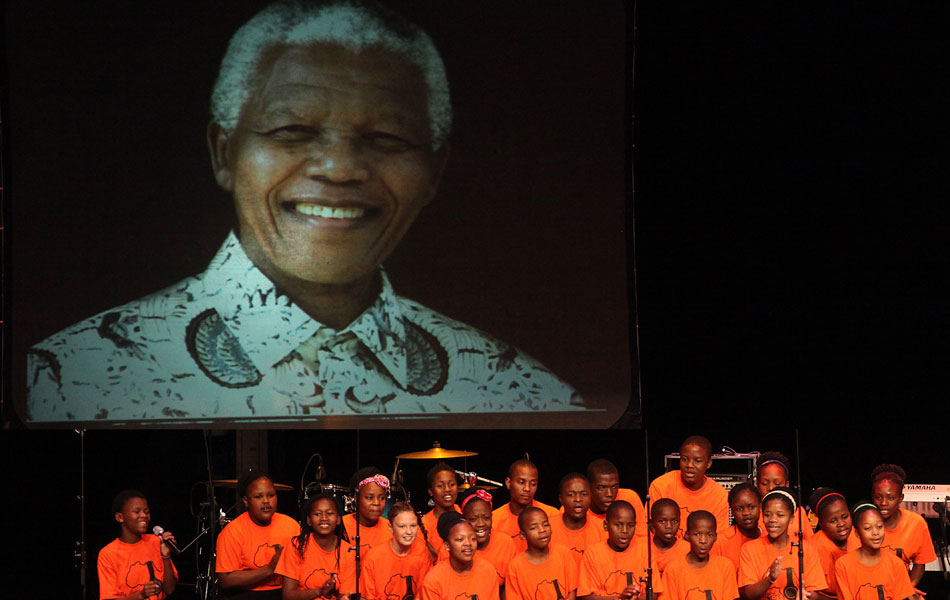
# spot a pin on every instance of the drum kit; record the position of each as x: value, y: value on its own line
x: 212, y: 518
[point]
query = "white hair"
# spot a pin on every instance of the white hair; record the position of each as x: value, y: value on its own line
x: 353, y: 24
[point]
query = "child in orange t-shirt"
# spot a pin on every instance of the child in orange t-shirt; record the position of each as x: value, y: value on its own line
x: 394, y: 569
x: 572, y: 528
x: 868, y: 573
x: 443, y: 492
x: 318, y: 562
x: 497, y: 550
x: 690, y: 487
x: 746, y: 504
x: 664, y: 523
x: 250, y: 546
x: 907, y: 533
x: 522, y: 484
x: 544, y: 571
x: 604, y: 479
x: 136, y: 565
x: 698, y: 575
x: 771, y: 471
x: 768, y: 566
x: 617, y: 566
x: 370, y: 487
x: 463, y: 574
x: 836, y: 536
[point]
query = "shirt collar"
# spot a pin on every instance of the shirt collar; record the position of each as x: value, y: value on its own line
x: 269, y: 326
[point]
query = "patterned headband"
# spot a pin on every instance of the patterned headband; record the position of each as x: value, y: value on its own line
x: 380, y: 480
x: 784, y: 493
x: 480, y: 494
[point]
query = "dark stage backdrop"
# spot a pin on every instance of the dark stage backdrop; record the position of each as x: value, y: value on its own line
x: 112, y: 195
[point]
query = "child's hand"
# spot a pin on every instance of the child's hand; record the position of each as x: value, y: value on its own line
x: 775, y: 569
x: 165, y: 548
x: 629, y: 592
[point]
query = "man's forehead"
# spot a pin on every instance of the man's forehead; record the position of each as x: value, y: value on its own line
x: 291, y: 78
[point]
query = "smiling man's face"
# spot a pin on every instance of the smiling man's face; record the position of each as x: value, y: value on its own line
x: 330, y: 162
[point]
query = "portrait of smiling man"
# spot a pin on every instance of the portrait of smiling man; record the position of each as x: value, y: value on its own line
x: 330, y: 130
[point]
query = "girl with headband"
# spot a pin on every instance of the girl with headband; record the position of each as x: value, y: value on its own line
x: 463, y: 574
x: 870, y: 572
x: 498, y: 550
x: 836, y: 536
x: 371, y: 489
x: 772, y: 470
x: 318, y: 564
x: 907, y: 532
x: 768, y: 566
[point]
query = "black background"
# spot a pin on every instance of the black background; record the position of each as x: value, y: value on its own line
x: 791, y: 221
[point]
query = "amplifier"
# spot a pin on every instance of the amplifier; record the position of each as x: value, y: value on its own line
x: 729, y: 469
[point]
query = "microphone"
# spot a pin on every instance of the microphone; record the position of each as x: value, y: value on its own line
x: 151, y: 571
x: 159, y: 530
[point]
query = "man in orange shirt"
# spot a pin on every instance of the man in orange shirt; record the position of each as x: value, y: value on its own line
x: 522, y: 484
x: 544, y: 571
x: 572, y: 528
x: 605, y: 487
x: 690, y: 487
x: 697, y: 575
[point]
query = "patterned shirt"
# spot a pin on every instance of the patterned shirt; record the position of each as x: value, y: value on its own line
x: 227, y: 344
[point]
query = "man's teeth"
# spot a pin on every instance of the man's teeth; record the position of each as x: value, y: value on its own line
x: 328, y: 212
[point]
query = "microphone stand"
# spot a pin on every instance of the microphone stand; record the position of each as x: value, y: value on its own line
x: 801, y: 517
x: 80, y: 553
x: 646, y: 454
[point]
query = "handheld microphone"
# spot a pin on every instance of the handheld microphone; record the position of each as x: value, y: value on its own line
x: 159, y: 530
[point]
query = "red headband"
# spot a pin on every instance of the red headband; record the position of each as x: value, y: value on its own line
x: 480, y: 494
x: 820, y: 500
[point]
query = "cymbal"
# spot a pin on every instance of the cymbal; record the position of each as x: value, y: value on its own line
x: 487, y: 488
x: 437, y: 451
x: 232, y: 483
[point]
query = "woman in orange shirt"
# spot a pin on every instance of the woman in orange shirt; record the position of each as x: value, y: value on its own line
x: 836, y: 536
x: 371, y: 489
x: 768, y: 566
x: 907, y: 533
x: 868, y: 573
x: 318, y: 564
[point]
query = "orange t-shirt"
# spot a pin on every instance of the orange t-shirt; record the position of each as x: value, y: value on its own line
x: 317, y: 565
x: 910, y: 540
x: 429, y: 523
x: 244, y: 545
x: 555, y: 578
x: 757, y: 556
x: 712, y: 497
x: 662, y: 558
x: 828, y: 555
x: 715, y: 581
x: 729, y: 543
x: 499, y: 552
x: 388, y: 575
x: 123, y: 567
x: 634, y: 499
x: 506, y: 522
x: 370, y: 537
x: 443, y: 583
x: 576, y: 541
x: 807, y: 531
x: 860, y: 582
x: 605, y: 572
